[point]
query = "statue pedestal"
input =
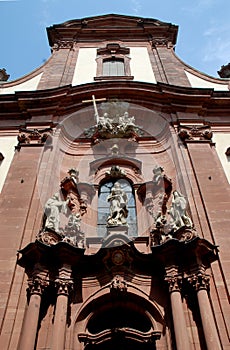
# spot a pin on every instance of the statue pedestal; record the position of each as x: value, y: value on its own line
x: 117, y: 230
x: 116, y: 236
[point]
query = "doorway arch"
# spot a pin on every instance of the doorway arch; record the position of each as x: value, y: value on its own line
x: 125, y: 320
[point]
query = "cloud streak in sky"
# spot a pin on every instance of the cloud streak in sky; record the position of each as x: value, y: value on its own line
x: 218, y: 44
x: 136, y: 6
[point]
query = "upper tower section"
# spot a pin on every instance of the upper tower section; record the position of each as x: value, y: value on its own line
x: 113, y: 47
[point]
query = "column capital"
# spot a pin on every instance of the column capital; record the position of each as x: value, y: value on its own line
x: 64, y: 286
x: 199, y: 281
x: 36, y: 285
x: 174, y: 283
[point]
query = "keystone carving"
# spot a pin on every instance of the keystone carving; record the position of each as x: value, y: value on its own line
x: 116, y: 171
x: 118, y: 284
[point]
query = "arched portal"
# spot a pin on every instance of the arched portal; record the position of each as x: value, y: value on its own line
x: 118, y: 320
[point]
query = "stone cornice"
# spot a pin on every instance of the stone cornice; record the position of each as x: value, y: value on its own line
x: 111, y: 27
x: 163, y: 257
x: 159, y: 97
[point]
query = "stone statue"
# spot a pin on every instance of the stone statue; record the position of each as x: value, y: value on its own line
x: 126, y: 121
x: 105, y: 123
x: 73, y: 234
x: 179, y: 217
x: 118, y: 202
x: 157, y: 173
x: 74, y: 223
x: 53, y: 207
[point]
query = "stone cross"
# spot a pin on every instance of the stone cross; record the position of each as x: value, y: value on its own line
x: 94, y: 100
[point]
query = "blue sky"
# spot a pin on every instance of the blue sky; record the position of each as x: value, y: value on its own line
x: 203, y: 41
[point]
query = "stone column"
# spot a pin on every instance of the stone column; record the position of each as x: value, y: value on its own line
x: 63, y: 289
x: 200, y: 282
x: 30, y: 323
x: 180, y: 329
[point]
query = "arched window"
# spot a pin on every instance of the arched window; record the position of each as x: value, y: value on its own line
x: 104, y: 206
x: 113, y: 67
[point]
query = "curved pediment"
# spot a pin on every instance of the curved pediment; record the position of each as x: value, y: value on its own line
x: 112, y: 26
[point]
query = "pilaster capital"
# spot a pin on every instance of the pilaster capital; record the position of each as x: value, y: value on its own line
x: 195, y: 133
x: 199, y: 281
x: 36, y: 285
x: 34, y: 137
x: 174, y: 283
x: 161, y: 42
x: 64, y: 286
x: 63, y: 44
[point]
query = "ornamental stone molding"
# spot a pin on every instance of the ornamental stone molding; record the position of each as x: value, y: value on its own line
x: 3, y: 75
x: 113, y: 49
x: 199, y: 281
x: 120, y: 333
x: 64, y: 286
x: 36, y: 285
x: 33, y: 137
x: 174, y: 283
x: 116, y: 171
x: 49, y: 237
x: 161, y: 42
x: 224, y: 71
x: 195, y: 133
x: 63, y: 45
x: 118, y: 284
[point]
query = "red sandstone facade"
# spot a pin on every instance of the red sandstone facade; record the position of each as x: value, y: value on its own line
x: 78, y: 273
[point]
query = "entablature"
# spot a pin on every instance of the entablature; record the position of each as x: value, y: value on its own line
x: 35, y: 107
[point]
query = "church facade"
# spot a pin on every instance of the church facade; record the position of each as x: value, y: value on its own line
x: 115, y: 198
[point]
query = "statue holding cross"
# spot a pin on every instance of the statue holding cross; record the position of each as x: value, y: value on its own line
x: 94, y: 100
x: 114, y: 122
x: 104, y: 123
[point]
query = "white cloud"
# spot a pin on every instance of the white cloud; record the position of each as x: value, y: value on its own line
x: 136, y: 6
x: 217, y: 46
x: 199, y: 6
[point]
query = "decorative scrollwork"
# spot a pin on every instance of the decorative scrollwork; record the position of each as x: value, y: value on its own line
x: 195, y: 132
x: 64, y: 286
x: 199, y: 281
x: 34, y: 136
x: 174, y: 283
x: 118, y: 284
x: 36, y: 285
